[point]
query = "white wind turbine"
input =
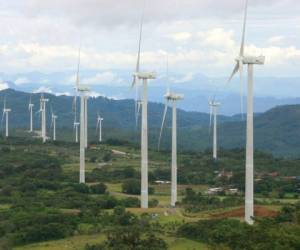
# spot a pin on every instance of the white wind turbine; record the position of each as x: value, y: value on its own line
x: 174, y: 98
x: 250, y: 61
x: 144, y: 76
x: 43, y: 102
x: 53, y: 124
x: 83, y: 90
x: 136, y: 82
x: 213, y: 112
x: 5, y: 113
x: 99, y: 126
x: 30, y: 108
x: 75, y: 123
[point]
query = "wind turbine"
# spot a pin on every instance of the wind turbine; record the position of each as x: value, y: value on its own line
x: 83, y: 90
x: 99, y: 126
x: 5, y: 113
x: 76, y: 123
x: 43, y: 102
x: 250, y: 61
x: 136, y: 82
x: 174, y: 98
x: 30, y: 108
x: 213, y: 112
x: 53, y: 124
x: 144, y: 77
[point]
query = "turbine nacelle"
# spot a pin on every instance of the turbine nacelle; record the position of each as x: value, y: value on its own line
x: 83, y: 88
x: 259, y: 60
x: 214, y: 104
x: 145, y: 75
x: 173, y: 97
x: 6, y: 110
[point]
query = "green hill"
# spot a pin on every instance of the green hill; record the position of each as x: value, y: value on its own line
x: 276, y: 131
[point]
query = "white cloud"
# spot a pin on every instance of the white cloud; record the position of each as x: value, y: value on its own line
x: 3, y: 86
x: 217, y: 37
x: 102, y: 78
x: 276, y: 40
x: 187, y: 78
x: 22, y: 80
x: 43, y: 89
x: 95, y: 94
x: 180, y: 36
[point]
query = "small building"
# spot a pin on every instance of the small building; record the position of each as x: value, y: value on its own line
x: 233, y: 191
x: 162, y: 182
x: 214, y: 191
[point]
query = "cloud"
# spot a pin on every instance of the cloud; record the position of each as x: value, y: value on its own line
x: 180, y: 36
x: 187, y: 78
x: 276, y: 40
x: 43, y: 89
x: 3, y: 86
x: 95, y: 94
x: 22, y: 80
x: 102, y: 78
x: 217, y: 37
x: 86, y: 12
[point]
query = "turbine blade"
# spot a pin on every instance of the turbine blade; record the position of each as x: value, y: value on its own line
x: 137, y: 69
x: 244, y: 30
x: 235, y: 70
x: 210, y: 117
x: 241, y: 87
x: 78, y: 66
x: 162, y: 124
x: 139, y: 104
x: 4, y: 103
x: 2, y: 120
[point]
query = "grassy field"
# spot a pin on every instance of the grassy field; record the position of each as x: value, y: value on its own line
x: 79, y: 242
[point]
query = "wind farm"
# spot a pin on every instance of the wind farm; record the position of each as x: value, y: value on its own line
x: 96, y: 152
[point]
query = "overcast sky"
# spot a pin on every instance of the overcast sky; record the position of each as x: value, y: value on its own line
x: 199, y: 36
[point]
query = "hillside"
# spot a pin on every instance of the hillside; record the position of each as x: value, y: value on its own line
x: 117, y: 113
x: 276, y: 131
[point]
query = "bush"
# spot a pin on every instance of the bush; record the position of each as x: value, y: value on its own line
x: 153, y: 203
x: 132, y: 186
x: 98, y: 188
x: 81, y: 188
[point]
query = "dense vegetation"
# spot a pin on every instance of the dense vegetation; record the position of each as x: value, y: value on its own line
x: 280, y: 233
x: 41, y: 200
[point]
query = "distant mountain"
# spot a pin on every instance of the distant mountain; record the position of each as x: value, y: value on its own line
x: 276, y: 131
x: 197, y: 88
x: 118, y: 114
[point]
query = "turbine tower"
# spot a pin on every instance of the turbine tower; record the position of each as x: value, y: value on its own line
x: 250, y: 61
x: 43, y: 102
x: 30, y: 108
x: 213, y: 112
x: 5, y: 113
x: 53, y: 124
x: 99, y: 126
x: 83, y: 90
x: 174, y: 98
x: 76, y: 123
x: 144, y: 77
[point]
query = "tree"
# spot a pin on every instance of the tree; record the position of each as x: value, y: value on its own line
x: 98, y: 188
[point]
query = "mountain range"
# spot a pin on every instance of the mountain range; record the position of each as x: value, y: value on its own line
x: 276, y: 131
x: 197, y: 88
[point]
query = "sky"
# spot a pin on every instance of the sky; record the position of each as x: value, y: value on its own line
x: 194, y: 36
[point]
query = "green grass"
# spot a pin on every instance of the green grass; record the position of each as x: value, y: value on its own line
x: 184, y: 244
x: 72, y: 243
x: 79, y: 242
